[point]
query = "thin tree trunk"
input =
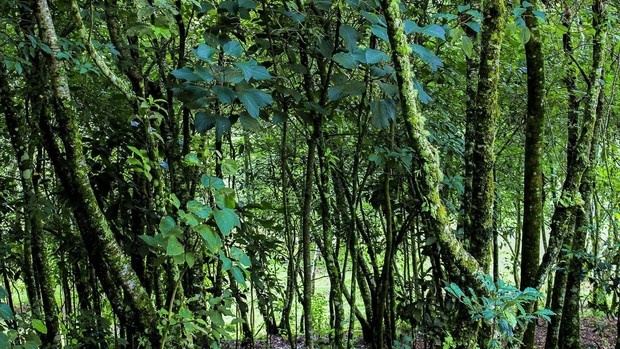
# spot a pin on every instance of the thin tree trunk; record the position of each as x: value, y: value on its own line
x: 533, y: 219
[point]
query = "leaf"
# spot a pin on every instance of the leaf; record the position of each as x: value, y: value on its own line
x: 226, y: 219
x: 186, y: 73
x: 427, y: 56
x: 204, y: 121
x: 210, y: 237
x: 382, y: 112
x: 411, y: 27
x: 5, y: 312
x: 226, y: 95
x: 249, y: 123
x: 375, y: 56
x: 174, y: 247
x: 468, y: 46
x: 238, y: 275
x: 199, y: 209
x: 380, y: 32
x: 434, y: 30
x: 233, y: 48
x: 253, y: 100
x: 149, y: 240
x: 39, y: 326
x: 296, y: 16
x: 166, y: 224
x: 212, y: 182
x: 422, y: 95
x: 475, y: 26
x: 517, y: 12
x: 540, y: 15
x: 524, y: 35
x: 205, y: 52
x: 226, y: 262
x: 222, y: 124
x: 251, y: 70
x: 349, y: 36
x: 346, y: 60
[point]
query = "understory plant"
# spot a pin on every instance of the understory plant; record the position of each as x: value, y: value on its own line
x: 502, y: 306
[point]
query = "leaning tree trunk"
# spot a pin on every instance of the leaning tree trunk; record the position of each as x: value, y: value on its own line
x: 532, y: 179
x: 129, y: 300
x: 22, y: 142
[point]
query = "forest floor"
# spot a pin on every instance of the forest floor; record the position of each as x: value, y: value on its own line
x: 599, y: 333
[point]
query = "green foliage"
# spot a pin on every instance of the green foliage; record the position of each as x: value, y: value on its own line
x: 17, y: 330
x: 503, y: 307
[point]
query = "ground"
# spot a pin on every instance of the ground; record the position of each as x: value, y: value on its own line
x: 599, y: 333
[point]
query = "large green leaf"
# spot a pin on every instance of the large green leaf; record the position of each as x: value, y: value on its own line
x: 349, y: 36
x: 253, y: 100
x: 39, y: 326
x: 204, y: 121
x: 186, y: 73
x: 233, y: 48
x: 251, y: 70
x: 238, y: 275
x: 383, y: 111
x: 205, y: 52
x: 174, y: 247
x: 346, y: 60
x: 166, y: 224
x: 226, y: 95
x: 199, y: 209
x: 210, y: 237
x: 211, y: 182
x: 226, y: 219
x: 427, y: 56
x: 5, y: 312
x: 434, y: 30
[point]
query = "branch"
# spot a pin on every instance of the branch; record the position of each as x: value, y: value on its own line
x: 119, y: 83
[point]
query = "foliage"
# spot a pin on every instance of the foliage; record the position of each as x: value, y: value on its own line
x: 18, y: 330
x: 502, y: 306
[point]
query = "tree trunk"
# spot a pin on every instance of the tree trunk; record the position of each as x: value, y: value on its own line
x: 533, y: 180
x: 112, y: 267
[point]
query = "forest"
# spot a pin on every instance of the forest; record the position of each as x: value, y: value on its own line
x: 309, y: 174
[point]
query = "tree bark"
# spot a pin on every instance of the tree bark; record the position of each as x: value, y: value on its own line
x: 533, y: 220
x: 112, y: 267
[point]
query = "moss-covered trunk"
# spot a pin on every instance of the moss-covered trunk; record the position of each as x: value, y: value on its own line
x: 570, y: 198
x: 128, y: 298
x: 480, y: 232
x: 532, y: 178
x: 22, y: 140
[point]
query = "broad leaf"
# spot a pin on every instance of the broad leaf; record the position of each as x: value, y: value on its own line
x: 174, y: 247
x: 427, y: 56
x: 349, y: 36
x: 253, y: 100
x: 211, y: 182
x: 251, y: 70
x: 434, y: 30
x: 39, y: 326
x: 225, y: 94
x: 205, y: 52
x: 233, y: 48
x: 199, y: 209
x: 186, y: 73
x: 226, y: 219
x: 346, y: 60
x: 210, y: 237
x: 383, y: 111
x: 166, y: 224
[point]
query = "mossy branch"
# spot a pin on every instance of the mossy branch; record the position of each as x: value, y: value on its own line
x: 430, y: 172
x: 119, y: 83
